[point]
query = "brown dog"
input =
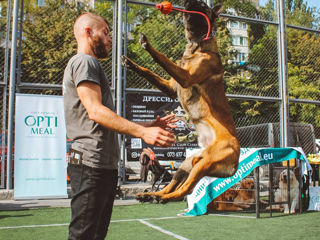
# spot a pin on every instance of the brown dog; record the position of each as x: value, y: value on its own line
x: 246, y: 194
x: 198, y: 82
x: 224, y: 202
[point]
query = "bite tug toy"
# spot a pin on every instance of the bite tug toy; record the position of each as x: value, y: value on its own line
x: 166, y: 8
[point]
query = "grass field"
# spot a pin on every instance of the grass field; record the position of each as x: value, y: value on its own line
x: 150, y: 221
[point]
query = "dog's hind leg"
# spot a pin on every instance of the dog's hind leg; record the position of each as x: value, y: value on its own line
x: 186, y: 187
x: 177, y: 181
x: 206, y: 166
x: 179, y: 177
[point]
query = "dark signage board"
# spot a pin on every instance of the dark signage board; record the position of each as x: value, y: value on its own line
x: 144, y: 106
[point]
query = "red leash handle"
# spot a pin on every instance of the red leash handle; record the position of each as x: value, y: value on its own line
x: 166, y: 8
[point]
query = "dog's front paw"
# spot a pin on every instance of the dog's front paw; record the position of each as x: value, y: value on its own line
x: 144, y: 41
x: 292, y: 211
x: 126, y: 62
x: 286, y: 210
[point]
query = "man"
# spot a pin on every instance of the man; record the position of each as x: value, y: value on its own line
x: 92, y: 124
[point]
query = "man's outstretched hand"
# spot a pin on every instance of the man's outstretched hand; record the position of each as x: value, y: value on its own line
x: 159, y: 133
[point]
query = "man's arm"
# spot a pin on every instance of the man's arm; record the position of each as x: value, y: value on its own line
x: 90, y: 96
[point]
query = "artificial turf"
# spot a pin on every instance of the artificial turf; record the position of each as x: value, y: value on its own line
x: 125, y: 224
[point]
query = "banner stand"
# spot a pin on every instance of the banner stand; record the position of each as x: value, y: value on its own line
x: 40, y: 147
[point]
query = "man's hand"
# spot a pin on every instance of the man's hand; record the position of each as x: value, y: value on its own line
x: 158, y: 137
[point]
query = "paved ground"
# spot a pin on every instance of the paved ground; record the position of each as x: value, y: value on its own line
x: 8, y: 205
x: 126, y: 197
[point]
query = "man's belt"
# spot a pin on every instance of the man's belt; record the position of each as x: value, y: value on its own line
x: 75, y: 157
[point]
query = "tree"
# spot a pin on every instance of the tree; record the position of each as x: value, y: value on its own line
x: 303, y: 67
x: 48, y: 40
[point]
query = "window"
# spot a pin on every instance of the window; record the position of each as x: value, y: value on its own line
x: 243, y: 41
x: 240, y: 41
x: 244, y: 25
x: 234, y: 24
x: 242, y: 57
x: 235, y: 40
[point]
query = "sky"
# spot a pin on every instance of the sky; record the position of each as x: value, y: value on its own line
x: 311, y: 3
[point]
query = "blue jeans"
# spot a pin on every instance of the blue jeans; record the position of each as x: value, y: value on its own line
x: 93, y: 191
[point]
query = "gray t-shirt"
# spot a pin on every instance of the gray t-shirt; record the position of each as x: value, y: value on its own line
x: 99, y: 145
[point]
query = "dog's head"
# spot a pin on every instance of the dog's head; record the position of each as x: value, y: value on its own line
x: 284, y: 177
x: 195, y: 24
x: 247, y: 184
x: 229, y: 195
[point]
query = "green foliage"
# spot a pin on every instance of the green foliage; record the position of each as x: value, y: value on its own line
x: 303, y: 64
x: 304, y: 75
x: 303, y: 67
x: 48, y: 41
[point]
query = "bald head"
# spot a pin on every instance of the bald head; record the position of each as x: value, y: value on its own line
x: 92, y: 34
x: 87, y: 20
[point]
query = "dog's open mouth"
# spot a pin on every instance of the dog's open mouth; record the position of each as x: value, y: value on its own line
x: 196, y: 24
x: 284, y: 179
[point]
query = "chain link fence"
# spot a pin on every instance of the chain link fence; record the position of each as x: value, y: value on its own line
x: 248, y: 39
x: 5, y: 14
x: 47, y: 41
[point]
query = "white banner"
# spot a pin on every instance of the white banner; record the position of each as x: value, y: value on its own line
x: 40, y: 147
x: 208, y: 188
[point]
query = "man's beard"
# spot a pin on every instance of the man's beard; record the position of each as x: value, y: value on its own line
x: 98, y: 47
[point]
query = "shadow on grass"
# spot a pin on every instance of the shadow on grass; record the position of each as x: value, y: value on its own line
x: 15, y: 216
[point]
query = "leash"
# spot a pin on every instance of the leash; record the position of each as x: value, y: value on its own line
x: 166, y: 8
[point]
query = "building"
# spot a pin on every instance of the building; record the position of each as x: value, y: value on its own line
x: 239, y: 34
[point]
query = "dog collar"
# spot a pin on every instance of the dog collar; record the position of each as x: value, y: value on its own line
x: 212, y: 34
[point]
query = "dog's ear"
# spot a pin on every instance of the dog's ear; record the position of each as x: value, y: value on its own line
x: 216, y: 10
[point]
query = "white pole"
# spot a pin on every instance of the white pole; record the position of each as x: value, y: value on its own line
x: 12, y: 86
x: 283, y: 76
x: 119, y: 75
